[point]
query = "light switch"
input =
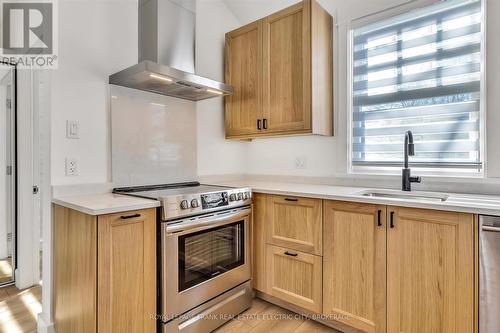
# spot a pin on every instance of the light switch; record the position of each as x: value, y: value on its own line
x: 72, y: 129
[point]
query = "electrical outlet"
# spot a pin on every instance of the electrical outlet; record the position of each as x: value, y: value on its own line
x: 72, y: 129
x: 71, y: 166
x: 301, y: 162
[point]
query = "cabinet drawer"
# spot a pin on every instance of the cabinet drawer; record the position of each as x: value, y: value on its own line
x: 294, y: 277
x: 294, y: 223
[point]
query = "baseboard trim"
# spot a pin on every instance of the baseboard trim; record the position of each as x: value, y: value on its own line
x: 44, y: 327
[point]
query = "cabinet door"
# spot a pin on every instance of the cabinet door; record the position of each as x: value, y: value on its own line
x: 354, y: 264
x: 294, y: 223
x: 294, y: 277
x: 259, y: 242
x: 287, y: 70
x: 430, y: 271
x: 244, y: 72
x: 126, y: 247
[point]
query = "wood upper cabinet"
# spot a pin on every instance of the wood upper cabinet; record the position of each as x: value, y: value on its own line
x: 430, y: 271
x: 104, y: 271
x: 287, y: 79
x: 294, y: 223
x: 126, y: 266
x: 294, y: 277
x: 282, y: 73
x: 243, y: 70
x: 354, y: 264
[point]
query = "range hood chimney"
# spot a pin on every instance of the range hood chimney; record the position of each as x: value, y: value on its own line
x: 167, y: 54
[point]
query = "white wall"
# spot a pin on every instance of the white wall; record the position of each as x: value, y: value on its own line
x: 96, y: 39
x: 216, y: 156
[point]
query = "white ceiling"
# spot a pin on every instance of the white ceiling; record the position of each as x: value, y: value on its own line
x: 247, y: 11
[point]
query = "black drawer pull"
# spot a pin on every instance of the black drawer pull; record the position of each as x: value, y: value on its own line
x: 126, y: 217
x: 290, y: 199
x: 379, y: 222
x: 264, y: 123
x: 258, y: 124
x: 392, y: 220
x: 291, y: 254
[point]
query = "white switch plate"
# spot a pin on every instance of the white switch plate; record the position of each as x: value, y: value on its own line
x: 71, y: 166
x: 72, y: 129
x: 301, y: 162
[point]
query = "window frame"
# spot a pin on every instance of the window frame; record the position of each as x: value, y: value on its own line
x: 432, y: 172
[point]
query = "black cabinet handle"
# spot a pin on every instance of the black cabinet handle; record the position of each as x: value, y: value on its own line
x: 392, y: 219
x: 126, y: 217
x: 379, y: 221
x: 264, y: 123
x: 291, y: 254
x: 258, y: 124
x: 290, y: 199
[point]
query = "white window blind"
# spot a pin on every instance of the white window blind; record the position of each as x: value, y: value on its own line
x: 420, y: 71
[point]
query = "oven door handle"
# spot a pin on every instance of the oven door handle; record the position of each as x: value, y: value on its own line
x: 213, y: 221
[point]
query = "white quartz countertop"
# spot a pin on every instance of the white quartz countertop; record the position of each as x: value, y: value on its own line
x: 104, y: 203
x: 467, y: 203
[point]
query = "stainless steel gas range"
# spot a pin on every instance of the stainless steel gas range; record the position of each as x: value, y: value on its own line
x: 204, y: 244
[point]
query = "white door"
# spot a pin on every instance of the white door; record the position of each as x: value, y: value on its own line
x: 7, y: 173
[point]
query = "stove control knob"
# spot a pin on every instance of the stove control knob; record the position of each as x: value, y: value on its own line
x: 184, y: 204
x: 240, y: 196
x: 232, y: 197
x: 247, y: 195
x: 195, y: 203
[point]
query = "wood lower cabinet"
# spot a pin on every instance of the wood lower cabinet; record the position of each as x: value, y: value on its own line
x: 104, y: 271
x: 281, y: 69
x: 354, y: 264
x: 294, y: 277
x: 294, y: 223
x: 379, y: 269
x: 259, y: 273
x: 430, y: 271
x: 126, y: 266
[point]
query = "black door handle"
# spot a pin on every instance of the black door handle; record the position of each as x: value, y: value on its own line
x: 258, y: 124
x: 291, y: 254
x: 379, y: 222
x: 289, y: 199
x: 392, y: 219
x: 126, y: 217
x: 264, y: 123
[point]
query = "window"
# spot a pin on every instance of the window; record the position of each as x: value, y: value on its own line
x: 419, y: 71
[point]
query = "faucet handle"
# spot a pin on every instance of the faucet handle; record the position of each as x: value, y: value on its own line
x: 415, y: 179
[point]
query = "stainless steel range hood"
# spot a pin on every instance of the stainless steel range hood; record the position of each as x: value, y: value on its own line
x: 166, y: 54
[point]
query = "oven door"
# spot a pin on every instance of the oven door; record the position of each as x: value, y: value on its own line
x: 202, y: 258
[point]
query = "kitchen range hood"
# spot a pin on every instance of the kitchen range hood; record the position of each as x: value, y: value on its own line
x: 167, y: 54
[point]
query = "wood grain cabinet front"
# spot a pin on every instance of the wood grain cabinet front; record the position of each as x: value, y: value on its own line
x: 294, y: 223
x: 104, y: 271
x: 281, y: 69
x: 354, y: 264
x: 430, y: 271
x: 294, y: 277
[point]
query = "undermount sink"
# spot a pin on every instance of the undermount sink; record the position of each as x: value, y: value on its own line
x: 414, y: 196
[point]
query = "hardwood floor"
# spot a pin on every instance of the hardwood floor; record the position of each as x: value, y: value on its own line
x: 265, y: 317
x: 19, y: 309
x: 5, y: 270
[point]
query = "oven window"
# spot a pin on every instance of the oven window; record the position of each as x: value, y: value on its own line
x: 208, y: 253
